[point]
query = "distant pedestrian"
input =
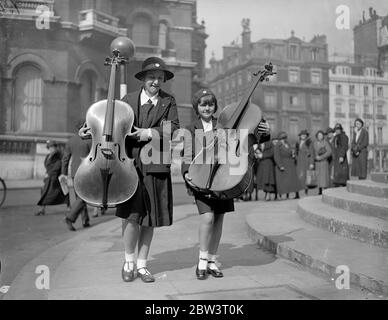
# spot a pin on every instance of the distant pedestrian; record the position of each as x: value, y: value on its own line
x: 340, y: 160
x: 322, y: 151
x: 359, y: 150
x: 76, y: 149
x: 52, y: 193
x: 304, y: 158
x: 329, y: 137
x: 286, y: 178
x: 265, y: 173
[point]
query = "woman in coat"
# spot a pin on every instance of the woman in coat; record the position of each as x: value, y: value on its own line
x: 52, y: 192
x: 329, y: 137
x: 286, y: 178
x: 265, y: 173
x: 359, y: 150
x: 304, y: 158
x: 322, y: 152
x: 340, y: 160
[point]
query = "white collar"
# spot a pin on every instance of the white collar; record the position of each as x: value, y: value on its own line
x: 207, y: 126
x: 144, y: 98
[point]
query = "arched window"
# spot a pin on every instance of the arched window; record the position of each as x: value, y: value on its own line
x: 141, y: 32
x: 163, y: 31
x: 88, y: 90
x: 28, y: 93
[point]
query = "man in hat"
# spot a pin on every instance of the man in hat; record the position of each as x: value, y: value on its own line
x: 151, y: 205
x: 340, y: 161
x: 76, y: 149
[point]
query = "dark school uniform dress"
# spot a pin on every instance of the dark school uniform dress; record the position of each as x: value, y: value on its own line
x: 204, y: 204
x: 51, y: 192
x: 151, y: 205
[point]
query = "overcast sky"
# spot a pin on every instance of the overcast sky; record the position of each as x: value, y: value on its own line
x: 276, y: 19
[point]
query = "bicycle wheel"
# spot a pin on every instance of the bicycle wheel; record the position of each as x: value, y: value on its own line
x: 3, y: 191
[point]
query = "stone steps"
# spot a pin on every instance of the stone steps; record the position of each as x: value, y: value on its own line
x: 290, y: 237
x: 368, y: 188
x: 351, y: 225
x: 356, y: 203
x: 379, y: 177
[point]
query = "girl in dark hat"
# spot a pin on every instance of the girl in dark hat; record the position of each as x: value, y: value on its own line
x: 285, y: 169
x: 359, y: 149
x: 52, y: 193
x: 322, y: 151
x: 211, y: 210
x: 304, y: 158
x: 340, y: 161
x: 151, y: 206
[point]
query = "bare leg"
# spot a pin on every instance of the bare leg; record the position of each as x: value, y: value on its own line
x: 205, y: 230
x: 216, y: 233
x: 145, y: 238
x: 131, y: 234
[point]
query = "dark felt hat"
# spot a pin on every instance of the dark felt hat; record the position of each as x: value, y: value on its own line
x: 154, y: 64
x: 203, y: 93
x: 304, y: 132
x: 329, y: 130
x: 282, y: 135
x: 51, y: 143
x: 338, y: 126
x: 360, y: 121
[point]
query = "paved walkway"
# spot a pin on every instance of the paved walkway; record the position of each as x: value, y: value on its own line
x: 88, y: 266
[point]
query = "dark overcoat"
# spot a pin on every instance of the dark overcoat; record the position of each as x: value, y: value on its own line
x: 359, y: 150
x: 304, y: 158
x: 265, y: 172
x: 76, y: 149
x: 153, y: 197
x: 51, y: 192
x: 341, y: 170
x: 286, y: 181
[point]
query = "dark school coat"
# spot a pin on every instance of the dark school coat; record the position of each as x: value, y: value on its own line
x: 51, y: 192
x: 341, y: 170
x: 286, y: 181
x: 153, y: 197
x: 360, y: 161
x: 304, y: 158
x: 265, y: 172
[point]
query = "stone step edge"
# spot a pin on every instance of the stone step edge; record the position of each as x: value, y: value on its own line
x: 380, y: 190
x: 381, y: 177
x: 315, y: 265
x: 340, y: 227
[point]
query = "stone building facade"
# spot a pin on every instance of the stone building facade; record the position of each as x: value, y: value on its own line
x: 52, y: 69
x: 296, y: 98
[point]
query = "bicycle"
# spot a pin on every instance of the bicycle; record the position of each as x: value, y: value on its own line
x: 3, y: 191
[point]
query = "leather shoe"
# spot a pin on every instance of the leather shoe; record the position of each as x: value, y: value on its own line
x: 86, y: 225
x: 201, y: 274
x: 146, y: 277
x: 215, y: 273
x: 127, y: 276
x: 69, y: 224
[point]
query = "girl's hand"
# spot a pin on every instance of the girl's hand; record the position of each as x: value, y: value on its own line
x: 142, y: 134
x: 84, y: 132
x: 188, y: 179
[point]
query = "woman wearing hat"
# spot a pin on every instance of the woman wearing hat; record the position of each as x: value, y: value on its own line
x: 151, y: 205
x: 304, y: 158
x: 52, y: 192
x: 211, y: 210
x: 265, y: 172
x: 286, y: 178
x: 359, y: 149
x: 340, y: 161
x: 322, y: 151
x: 329, y: 137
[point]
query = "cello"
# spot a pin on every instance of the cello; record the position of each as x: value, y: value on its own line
x: 107, y: 177
x: 211, y: 172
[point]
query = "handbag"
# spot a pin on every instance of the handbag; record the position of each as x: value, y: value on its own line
x: 322, y: 151
x: 311, y: 178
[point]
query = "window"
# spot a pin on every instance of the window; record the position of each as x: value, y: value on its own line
x: 270, y: 99
x: 352, y: 90
x: 380, y: 92
x: 293, y: 52
x: 316, y: 77
x: 314, y: 54
x: 28, y: 104
x: 293, y: 75
x: 163, y: 30
x: 316, y: 102
x: 141, y: 31
x: 338, y: 89
x: 338, y: 107
x: 293, y: 128
x: 366, y: 108
x: 293, y: 100
x: 380, y: 135
x: 379, y: 109
x: 352, y: 109
x: 366, y: 91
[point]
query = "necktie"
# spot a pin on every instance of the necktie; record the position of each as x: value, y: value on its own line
x: 144, y: 113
